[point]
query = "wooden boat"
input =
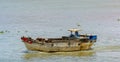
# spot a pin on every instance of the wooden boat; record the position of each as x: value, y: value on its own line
x: 73, y: 42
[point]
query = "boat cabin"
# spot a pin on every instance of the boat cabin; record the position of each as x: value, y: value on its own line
x: 74, y: 32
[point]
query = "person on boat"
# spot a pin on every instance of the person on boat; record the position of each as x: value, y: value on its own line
x: 72, y: 35
x: 77, y: 34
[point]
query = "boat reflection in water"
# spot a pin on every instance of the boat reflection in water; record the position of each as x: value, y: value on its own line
x: 38, y: 54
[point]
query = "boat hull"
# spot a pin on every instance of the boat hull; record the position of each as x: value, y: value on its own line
x: 64, y: 48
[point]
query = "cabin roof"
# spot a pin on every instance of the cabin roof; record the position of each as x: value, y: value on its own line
x: 73, y: 30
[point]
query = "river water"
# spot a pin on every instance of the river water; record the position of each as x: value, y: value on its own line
x: 52, y: 18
